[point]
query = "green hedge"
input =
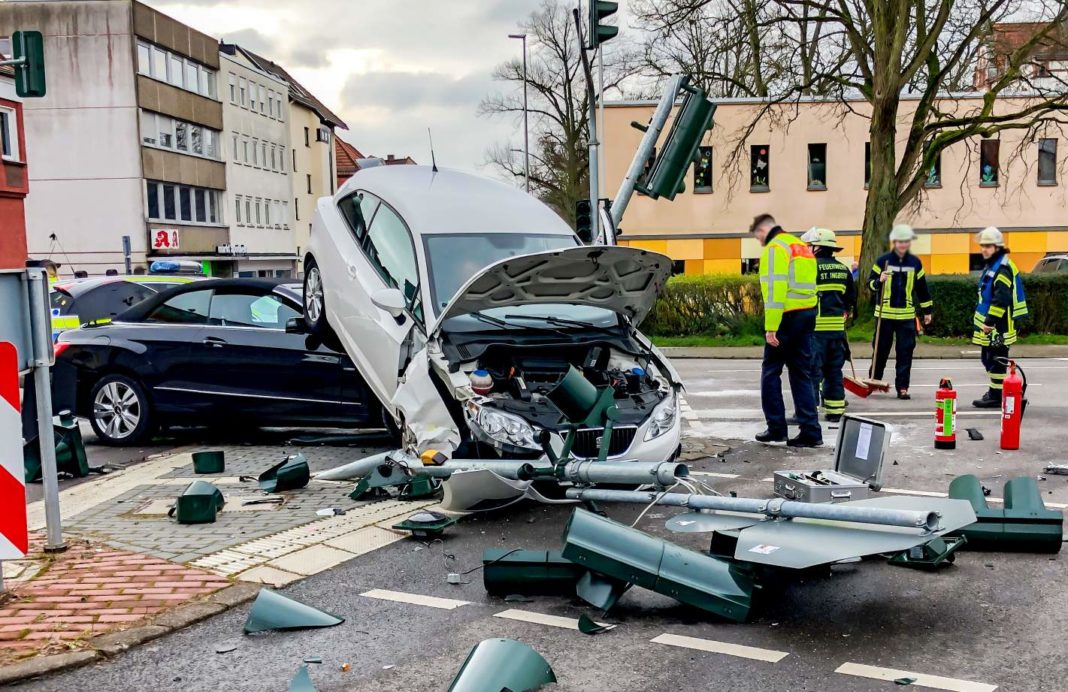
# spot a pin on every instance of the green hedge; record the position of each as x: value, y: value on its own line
x: 723, y: 304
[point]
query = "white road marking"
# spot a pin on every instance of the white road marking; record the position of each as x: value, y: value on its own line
x: 539, y: 618
x: 740, y: 414
x: 713, y: 474
x: 415, y: 599
x: 922, y: 679
x: 726, y: 648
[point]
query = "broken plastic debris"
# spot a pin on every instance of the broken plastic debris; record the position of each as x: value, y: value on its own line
x: 517, y: 598
x: 225, y: 648
x: 273, y: 611
x: 330, y: 512
x: 302, y: 681
x: 345, y: 667
x: 313, y: 659
x: 587, y: 625
x: 289, y: 474
x: 904, y: 681
x: 498, y: 664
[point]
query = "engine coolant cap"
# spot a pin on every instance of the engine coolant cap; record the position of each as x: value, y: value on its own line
x: 640, y: 372
x: 481, y: 382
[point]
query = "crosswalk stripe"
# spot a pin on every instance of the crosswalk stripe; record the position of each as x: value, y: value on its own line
x: 725, y: 648
x: 922, y: 679
x: 539, y: 618
x: 415, y: 599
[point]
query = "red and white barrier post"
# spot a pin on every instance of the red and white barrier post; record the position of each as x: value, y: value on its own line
x: 14, y: 538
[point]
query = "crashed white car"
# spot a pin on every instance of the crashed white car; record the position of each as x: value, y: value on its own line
x: 464, y: 301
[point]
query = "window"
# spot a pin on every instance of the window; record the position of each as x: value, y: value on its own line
x: 168, y: 202
x: 144, y: 58
x: 281, y: 159
x: 309, y: 183
x: 358, y: 210
x: 237, y: 210
x: 250, y: 310
x: 294, y: 160
x: 7, y: 135
x: 196, y: 139
x: 213, y: 214
x: 277, y: 211
x: 259, y: 216
x: 192, y: 78
x: 1047, y: 161
x: 233, y: 89
x: 180, y: 136
x: 167, y: 133
x: 185, y: 202
x: 185, y: 308
x: 244, y: 148
x: 266, y: 212
x: 263, y: 154
x: 252, y: 95
x: 322, y: 134
x: 248, y: 211
x: 169, y: 207
x: 988, y: 162
x: 389, y: 247
x: 243, y: 87
x: 760, y: 168
x: 235, y: 145
x: 159, y: 64
x: 175, y: 69
x: 274, y: 161
x: 263, y: 99
x: 307, y: 135
x: 817, y: 166
x: 270, y: 102
x: 296, y: 208
x: 153, y: 200
x: 934, y: 173
x: 702, y: 171
x: 149, y: 133
x: 751, y: 266
x: 867, y: 164
x: 285, y: 214
x: 256, y: 152
x: 200, y: 206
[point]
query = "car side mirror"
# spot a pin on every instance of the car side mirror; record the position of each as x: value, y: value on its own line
x: 295, y: 325
x: 391, y: 300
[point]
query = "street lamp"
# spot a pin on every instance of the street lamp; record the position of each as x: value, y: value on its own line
x: 526, y: 113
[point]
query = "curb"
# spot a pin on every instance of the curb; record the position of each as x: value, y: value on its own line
x: 105, y: 646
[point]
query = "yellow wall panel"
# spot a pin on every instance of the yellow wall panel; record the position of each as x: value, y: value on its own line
x: 686, y: 249
x: 750, y: 248
x: 723, y: 266
x: 654, y: 245
x: 1026, y: 242
x: 1026, y: 261
x: 1057, y: 241
x: 949, y: 244
x: 695, y: 266
x: 973, y: 244
x: 922, y: 245
x: 723, y: 248
x: 948, y: 264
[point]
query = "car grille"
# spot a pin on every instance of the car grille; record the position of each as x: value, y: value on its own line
x: 587, y: 441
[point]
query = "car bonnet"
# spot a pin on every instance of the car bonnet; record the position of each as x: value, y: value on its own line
x: 624, y: 280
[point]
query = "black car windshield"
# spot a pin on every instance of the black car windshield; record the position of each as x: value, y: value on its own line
x: 453, y: 258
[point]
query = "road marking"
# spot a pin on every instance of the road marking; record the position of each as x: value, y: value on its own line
x: 713, y: 474
x: 415, y: 599
x: 539, y: 618
x: 725, y: 415
x: 922, y: 679
x: 725, y: 648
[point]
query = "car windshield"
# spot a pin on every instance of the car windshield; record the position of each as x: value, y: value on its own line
x: 542, y: 317
x: 453, y: 258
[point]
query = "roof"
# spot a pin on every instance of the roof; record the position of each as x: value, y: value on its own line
x: 297, y: 92
x: 77, y: 287
x: 1009, y: 36
x: 347, y: 158
x: 451, y: 201
x: 7, y: 70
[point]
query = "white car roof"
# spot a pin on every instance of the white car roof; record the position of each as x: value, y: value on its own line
x: 451, y: 201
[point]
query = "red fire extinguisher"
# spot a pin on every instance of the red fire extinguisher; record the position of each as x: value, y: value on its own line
x: 945, y: 415
x: 1012, y: 406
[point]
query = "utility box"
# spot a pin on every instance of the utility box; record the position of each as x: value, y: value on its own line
x: 859, y: 454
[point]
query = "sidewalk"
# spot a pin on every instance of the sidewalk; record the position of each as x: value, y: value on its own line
x: 863, y: 350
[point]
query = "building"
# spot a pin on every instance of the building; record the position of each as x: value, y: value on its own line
x: 1046, y: 67
x: 127, y: 141
x: 257, y: 152
x: 311, y: 136
x: 350, y: 159
x: 806, y: 164
x: 13, y: 178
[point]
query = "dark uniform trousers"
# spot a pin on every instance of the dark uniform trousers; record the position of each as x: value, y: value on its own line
x: 828, y: 359
x: 795, y: 353
x: 903, y: 334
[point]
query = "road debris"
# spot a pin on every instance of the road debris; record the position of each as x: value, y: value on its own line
x: 499, y: 664
x: 199, y: 503
x: 302, y: 681
x: 587, y: 625
x: 273, y: 611
x: 291, y: 473
x: 209, y: 461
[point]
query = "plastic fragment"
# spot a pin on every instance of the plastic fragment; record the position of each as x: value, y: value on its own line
x: 273, y: 611
x: 587, y: 625
x: 225, y: 648
x: 517, y: 598
x: 302, y: 681
x: 313, y: 659
x: 904, y: 681
x: 345, y: 667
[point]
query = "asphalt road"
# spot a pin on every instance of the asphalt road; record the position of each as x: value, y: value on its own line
x: 994, y: 619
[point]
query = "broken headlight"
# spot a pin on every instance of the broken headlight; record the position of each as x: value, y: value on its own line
x: 663, y: 418
x: 501, y: 429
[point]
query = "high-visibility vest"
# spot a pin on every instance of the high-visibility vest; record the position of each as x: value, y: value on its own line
x: 1004, y: 272
x: 787, y: 278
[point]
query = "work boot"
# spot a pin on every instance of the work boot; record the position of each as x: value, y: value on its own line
x: 769, y: 436
x: 989, y: 400
x: 832, y: 417
x: 804, y: 441
x: 903, y: 394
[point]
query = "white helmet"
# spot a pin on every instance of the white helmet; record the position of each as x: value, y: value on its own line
x: 810, y: 235
x: 991, y: 236
x: 902, y: 232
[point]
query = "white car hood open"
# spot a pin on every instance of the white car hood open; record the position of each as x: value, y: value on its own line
x: 622, y: 279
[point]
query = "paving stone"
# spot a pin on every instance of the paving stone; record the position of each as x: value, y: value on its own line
x: 311, y: 560
x: 265, y: 574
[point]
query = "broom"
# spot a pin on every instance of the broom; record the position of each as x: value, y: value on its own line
x: 854, y: 384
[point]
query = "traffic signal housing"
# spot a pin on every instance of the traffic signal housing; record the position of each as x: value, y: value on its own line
x: 584, y: 220
x: 666, y: 177
x: 599, y: 33
x: 30, y: 74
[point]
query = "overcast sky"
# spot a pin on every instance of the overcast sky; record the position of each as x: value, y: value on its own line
x: 389, y: 68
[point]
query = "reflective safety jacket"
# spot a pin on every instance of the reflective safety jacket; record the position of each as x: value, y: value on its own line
x: 1001, y: 301
x: 787, y: 277
x: 904, y: 291
x: 837, y: 294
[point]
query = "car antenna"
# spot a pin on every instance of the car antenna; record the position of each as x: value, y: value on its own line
x: 433, y: 161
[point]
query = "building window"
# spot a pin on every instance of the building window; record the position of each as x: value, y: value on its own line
x: 270, y: 102
x: 760, y: 168
x: 243, y: 89
x: 266, y: 212
x: 285, y: 214
x: 817, y: 166
x: 322, y: 134
x: 233, y: 89
x: 244, y: 148
x: 296, y: 208
x: 181, y: 141
x: 1047, y: 161
x: 988, y: 162
x: 144, y: 58
x: 263, y: 99
x: 295, y: 159
x: 751, y: 266
x: 174, y: 71
x: 237, y: 210
x: 281, y: 159
x: 309, y: 183
x: 256, y: 153
x: 259, y: 217
x: 165, y: 132
x: 167, y: 202
x: 248, y: 211
x: 161, y: 64
x: 153, y: 200
x: 867, y: 164
x: 702, y: 171
x: 274, y: 159
x: 9, y: 141
x: 307, y: 137
x: 235, y: 145
x: 251, y: 95
x: 934, y: 173
x: 263, y: 153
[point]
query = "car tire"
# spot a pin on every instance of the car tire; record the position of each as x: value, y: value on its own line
x: 119, y: 411
x: 315, y: 300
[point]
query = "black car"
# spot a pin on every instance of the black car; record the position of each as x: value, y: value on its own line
x: 79, y: 301
x: 213, y: 352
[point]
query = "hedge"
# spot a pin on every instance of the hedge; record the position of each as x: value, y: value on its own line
x: 723, y: 304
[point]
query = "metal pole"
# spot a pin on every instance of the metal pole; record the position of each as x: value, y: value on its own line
x: 652, y: 134
x: 591, y: 117
x: 42, y: 357
x: 526, y: 115
x: 601, y: 173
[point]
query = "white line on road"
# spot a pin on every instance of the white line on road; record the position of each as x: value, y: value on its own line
x: 415, y: 599
x: 713, y: 474
x: 743, y: 414
x: 539, y: 618
x: 922, y: 679
x: 726, y: 648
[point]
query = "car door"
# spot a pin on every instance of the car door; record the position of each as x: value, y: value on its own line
x: 382, y: 258
x: 252, y: 369
x: 169, y: 366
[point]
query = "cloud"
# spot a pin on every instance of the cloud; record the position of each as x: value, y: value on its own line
x: 405, y: 91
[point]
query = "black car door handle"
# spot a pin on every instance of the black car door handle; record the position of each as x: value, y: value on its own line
x: 214, y: 341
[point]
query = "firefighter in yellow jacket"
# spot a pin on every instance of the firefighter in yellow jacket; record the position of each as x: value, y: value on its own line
x: 1000, y: 304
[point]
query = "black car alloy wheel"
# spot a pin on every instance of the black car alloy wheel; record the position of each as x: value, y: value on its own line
x: 119, y: 413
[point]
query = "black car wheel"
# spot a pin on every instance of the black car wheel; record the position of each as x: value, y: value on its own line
x: 120, y: 412
x: 314, y: 301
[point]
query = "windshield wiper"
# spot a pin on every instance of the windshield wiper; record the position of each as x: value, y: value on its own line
x: 564, y: 322
x: 512, y: 325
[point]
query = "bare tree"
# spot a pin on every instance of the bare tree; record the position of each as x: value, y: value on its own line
x: 904, y: 58
x: 558, y: 107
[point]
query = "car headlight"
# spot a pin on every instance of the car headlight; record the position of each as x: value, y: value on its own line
x: 663, y: 418
x: 502, y: 428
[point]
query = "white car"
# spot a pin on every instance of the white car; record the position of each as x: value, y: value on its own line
x: 464, y: 301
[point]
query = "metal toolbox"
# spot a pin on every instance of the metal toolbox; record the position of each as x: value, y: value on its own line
x: 858, y: 466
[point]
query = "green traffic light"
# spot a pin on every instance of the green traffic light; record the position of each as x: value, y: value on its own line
x: 30, y: 75
x: 599, y: 33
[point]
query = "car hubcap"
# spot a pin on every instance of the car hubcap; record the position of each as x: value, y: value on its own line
x: 117, y: 410
x: 313, y: 295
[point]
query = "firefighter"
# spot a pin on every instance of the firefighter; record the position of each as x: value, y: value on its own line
x: 837, y: 295
x: 898, y: 278
x: 788, y: 287
x: 1001, y: 302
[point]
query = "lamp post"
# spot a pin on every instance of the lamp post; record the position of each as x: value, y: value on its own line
x: 526, y: 114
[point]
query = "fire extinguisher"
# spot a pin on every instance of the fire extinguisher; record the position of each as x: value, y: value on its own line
x: 945, y: 415
x: 1013, y: 404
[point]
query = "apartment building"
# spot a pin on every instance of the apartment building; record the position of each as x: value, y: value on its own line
x: 127, y: 142
x: 257, y: 152
x: 13, y: 183
x: 807, y: 164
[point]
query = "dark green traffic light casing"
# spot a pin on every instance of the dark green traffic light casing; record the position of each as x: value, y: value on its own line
x: 667, y: 175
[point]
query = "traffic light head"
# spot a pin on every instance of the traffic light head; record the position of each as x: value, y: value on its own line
x: 667, y: 175
x: 584, y: 220
x: 30, y: 75
x: 599, y: 33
